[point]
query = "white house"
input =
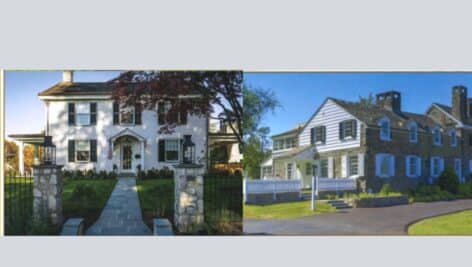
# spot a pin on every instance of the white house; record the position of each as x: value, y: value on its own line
x: 91, y: 131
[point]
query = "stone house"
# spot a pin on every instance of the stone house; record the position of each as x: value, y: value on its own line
x: 377, y: 143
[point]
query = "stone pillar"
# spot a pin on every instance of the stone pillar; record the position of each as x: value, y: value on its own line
x: 47, y: 193
x: 188, y: 209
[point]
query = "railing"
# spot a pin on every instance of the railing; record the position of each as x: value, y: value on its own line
x: 338, y: 184
x: 271, y: 186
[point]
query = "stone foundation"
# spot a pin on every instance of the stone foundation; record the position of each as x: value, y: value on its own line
x: 188, y: 210
x: 47, y: 193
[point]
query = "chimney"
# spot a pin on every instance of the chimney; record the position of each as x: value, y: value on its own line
x: 67, y: 76
x: 390, y: 100
x: 459, y: 102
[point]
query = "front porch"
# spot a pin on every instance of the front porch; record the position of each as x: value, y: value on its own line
x: 127, y: 153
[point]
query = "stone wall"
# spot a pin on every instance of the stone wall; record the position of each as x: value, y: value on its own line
x: 47, y: 193
x: 188, y: 210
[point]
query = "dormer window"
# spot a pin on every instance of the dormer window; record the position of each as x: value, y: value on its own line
x: 347, y: 129
x: 413, y: 132
x: 453, y: 137
x: 437, y: 138
x: 385, y: 133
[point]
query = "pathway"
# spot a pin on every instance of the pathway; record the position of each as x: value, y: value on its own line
x: 122, y: 213
x: 357, y: 221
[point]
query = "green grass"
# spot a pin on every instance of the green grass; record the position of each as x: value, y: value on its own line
x: 88, y: 206
x: 289, y: 210
x: 452, y: 224
x: 156, y: 197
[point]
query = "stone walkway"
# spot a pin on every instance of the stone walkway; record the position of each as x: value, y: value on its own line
x: 358, y: 221
x: 122, y: 213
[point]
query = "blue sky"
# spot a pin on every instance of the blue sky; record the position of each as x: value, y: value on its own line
x: 301, y: 93
x: 24, y: 112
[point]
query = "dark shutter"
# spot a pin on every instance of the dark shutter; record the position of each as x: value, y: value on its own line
x: 161, y: 113
x: 354, y: 128
x: 341, y: 130
x: 183, y: 116
x: 161, y: 150
x: 93, y: 150
x: 71, y: 107
x: 116, y: 113
x: 71, y: 150
x: 137, y: 114
x: 312, y: 136
x: 93, y: 113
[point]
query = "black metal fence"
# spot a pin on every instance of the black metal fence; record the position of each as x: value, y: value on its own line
x: 223, y: 203
x: 18, y: 203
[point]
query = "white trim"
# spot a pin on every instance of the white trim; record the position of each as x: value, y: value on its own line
x: 75, y: 150
x: 330, y: 167
x: 379, y: 158
x: 417, y: 172
x: 440, y: 167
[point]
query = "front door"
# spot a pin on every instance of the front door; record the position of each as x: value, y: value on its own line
x: 126, y: 159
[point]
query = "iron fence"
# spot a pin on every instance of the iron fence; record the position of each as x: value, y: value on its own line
x: 18, y: 203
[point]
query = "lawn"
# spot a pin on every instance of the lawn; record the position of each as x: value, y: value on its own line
x: 81, y: 198
x: 452, y: 224
x: 86, y: 198
x: 288, y: 210
x: 156, y: 197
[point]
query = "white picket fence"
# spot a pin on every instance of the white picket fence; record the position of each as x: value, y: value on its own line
x: 277, y: 185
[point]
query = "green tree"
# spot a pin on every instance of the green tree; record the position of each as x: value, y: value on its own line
x: 367, y: 101
x: 254, y: 155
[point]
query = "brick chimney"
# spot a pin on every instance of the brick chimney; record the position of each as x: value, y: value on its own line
x: 67, y: 76
x: 391, y: 100
x: 459, y: 103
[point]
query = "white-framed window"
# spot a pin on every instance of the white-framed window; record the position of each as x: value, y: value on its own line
x: 308, y: 168
x: 458, y: 168
x: 413, y: 166
x: 289, y: 170
x: 437, y: 166
x: 318, y: 135
x: 289, y: 142
x: 82, y: 150
x: 413, y: 132
x: 82, y: 113
x: 127, y: 115
x: 172, y: 150
x: 353, y: 165
x: 453, y: 137
x: 324, y: 168
x: 384, y: 165
x: 266, y: 171
x: 348, y: 129
x: 385, y: 132
x: 437, y: 137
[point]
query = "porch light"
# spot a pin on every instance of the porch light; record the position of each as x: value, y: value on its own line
x: 49, y: 151
x: 188, y: 148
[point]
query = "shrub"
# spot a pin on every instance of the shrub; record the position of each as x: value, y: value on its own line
x: 449, y: 181
x: 465, y: 190
x: 164, y: 173
x: 386, y: 189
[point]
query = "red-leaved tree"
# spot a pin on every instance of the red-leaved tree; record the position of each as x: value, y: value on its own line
x: 192, y: 92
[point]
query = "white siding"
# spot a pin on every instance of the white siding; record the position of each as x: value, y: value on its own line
x: 62, y: 132
x: 330, y: 115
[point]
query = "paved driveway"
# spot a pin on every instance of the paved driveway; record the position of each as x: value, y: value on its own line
x: 359, y: 221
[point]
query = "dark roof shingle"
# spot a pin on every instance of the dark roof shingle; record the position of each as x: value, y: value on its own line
x: 78, y: 88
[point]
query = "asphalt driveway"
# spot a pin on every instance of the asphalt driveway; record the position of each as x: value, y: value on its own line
x: 357, y: 221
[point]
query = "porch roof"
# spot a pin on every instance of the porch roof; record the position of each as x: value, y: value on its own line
x: 32, y: 139
x: 125, y: 132
x: 298, y: 153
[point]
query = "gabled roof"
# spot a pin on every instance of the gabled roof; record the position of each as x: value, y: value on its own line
x: 78, y: 88
x: 292, y: 152
x: 295, y: 131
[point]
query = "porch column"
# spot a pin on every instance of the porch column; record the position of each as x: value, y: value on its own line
x: 142, y: 155
x: 21, y: 158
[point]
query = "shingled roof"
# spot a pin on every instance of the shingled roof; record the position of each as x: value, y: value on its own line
x: 370, y: 114
x: 78, y: 88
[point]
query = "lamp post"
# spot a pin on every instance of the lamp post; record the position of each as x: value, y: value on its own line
x: 49, y: 152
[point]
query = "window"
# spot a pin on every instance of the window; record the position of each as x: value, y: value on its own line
x: 353, y: 163
x: 82, y: 150
x: 347, y: 129
x: 385, y: 165
x: 266, y: 171
x: 324, y: 168
x: 318, y: 135
x: 127, y: 115
x: 82, y: 114
x: 308, y: 168
x: 453, y: 137
x: 289, y: 170
x: 172, y: 149
x: 413, y: 166
x: 289, y: 142
x: 437, y: 166
x: 384, y: 125
x: 180, y: 117
x: 437, y: 139
x: 413, y: 132
x: 278, y: 144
